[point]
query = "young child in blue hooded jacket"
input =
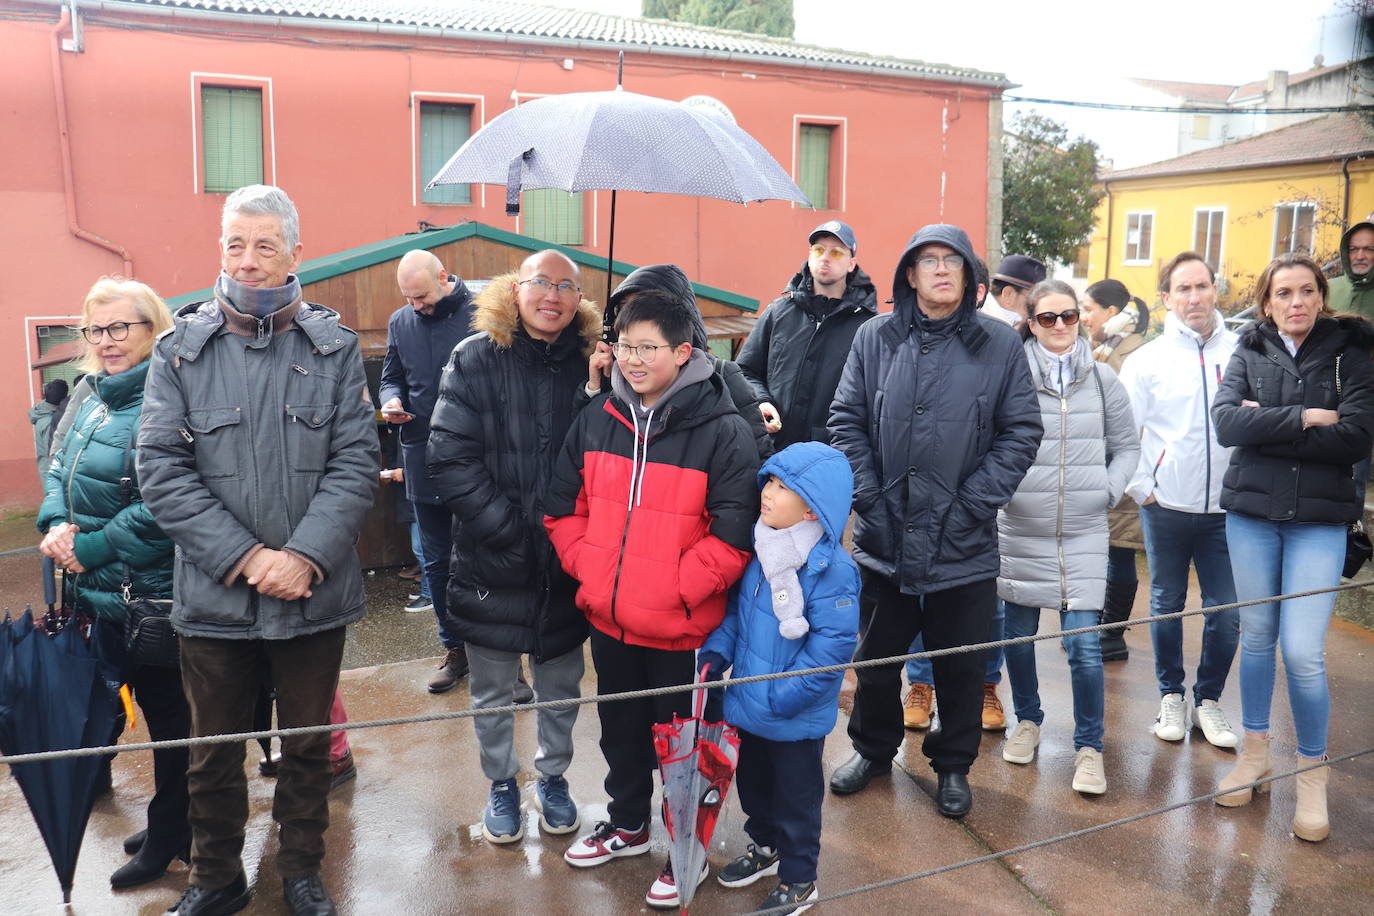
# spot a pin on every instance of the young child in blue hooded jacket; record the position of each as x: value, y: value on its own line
x: 796, y: 607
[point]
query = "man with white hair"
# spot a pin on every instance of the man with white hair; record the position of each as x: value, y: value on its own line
x: 258, y: 456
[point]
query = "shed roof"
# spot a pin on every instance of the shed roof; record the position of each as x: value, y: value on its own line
x: 1330, y: 137
x: 499, y: 19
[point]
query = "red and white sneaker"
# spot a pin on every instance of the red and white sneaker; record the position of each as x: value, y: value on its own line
x: 606, y: 842
x: 663, y: 892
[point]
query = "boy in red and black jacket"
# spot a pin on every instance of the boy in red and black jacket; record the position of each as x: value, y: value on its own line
x: 651, y: 509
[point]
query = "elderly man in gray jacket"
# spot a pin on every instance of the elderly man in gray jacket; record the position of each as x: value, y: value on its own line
x: 258, y: 455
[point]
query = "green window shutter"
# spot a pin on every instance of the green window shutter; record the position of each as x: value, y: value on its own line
x: 552, y: 216
x: 443, y: 128
x: 813, y: 163
x: 231, y: 137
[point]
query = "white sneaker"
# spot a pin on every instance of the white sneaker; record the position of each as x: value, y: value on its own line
x: 1209, y: 717
x: 1020, y: 747
x: 663, y: 893
x: 1089, y: 776
x: 1172, y: 721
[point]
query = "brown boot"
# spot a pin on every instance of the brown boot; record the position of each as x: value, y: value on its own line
x: 1309, y: 821
x: 994, y: 719
x: 1253, y: 763
x: 916, y: 709
x: 451, y: 669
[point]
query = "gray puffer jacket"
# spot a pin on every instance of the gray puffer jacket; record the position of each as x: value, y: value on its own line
x: 1053, y: 532
x: 266, y: 438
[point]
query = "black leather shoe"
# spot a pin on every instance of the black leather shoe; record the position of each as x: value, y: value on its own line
x: 270, y: 764
x: 307, y: 897
x: 197, y: 901
x: 953, y: 797
x: 149, y: 864
x: 857, y: 772
x: 134, y: 843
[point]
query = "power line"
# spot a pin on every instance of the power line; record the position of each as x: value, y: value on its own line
x: 1180, y: 109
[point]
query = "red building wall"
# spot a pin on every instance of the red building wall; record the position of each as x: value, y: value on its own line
x: 340, y: 143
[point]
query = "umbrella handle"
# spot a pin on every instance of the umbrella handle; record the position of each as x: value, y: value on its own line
x: 50, y: 582
x: 699, y: 696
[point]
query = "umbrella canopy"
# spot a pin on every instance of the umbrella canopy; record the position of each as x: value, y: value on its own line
x: 696, y: 760
x: 617, y: 140
x: 54, y: 695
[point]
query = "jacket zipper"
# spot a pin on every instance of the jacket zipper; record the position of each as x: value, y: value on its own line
x: 1206, y: 428
x: 1059, y: 521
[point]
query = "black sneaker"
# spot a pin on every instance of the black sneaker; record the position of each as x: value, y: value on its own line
x: 757, y: 862
x: 419, y: 604
x: 797, y: 896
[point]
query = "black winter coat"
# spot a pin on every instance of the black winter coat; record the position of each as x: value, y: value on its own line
x: 670, y: 279
x: 1279, y: 471
x: 417, y: 349
x: 506, y: 401
x: 794, y: 356
x: 939, y: 421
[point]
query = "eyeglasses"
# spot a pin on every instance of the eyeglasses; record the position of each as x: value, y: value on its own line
x: 835, y: 253
x: 646, y: 352
x: 564, y: 289
x: 1047, y: 319
x: 117, y: 331
x: 951, y: 262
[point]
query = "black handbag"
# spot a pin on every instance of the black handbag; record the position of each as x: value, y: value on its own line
x: 1358, y: 548
x: 148, y: 635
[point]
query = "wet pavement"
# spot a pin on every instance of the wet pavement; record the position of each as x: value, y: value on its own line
x: 406, y: 837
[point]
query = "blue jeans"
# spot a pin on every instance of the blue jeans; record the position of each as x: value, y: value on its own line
x: 418, y: 548
x: 918, y: 670
x: 436, y: 542
x: 1274, y: 558
x: 1173, y: 540
x: 1085, y: 671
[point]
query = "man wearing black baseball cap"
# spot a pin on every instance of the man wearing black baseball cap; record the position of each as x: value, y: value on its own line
x: 1014, y: 278
x: 796, y: 351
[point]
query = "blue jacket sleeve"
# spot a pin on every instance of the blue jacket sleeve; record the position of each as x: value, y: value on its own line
x: 833, y: 613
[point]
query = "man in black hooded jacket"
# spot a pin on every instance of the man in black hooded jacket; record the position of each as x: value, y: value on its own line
x: 937, y: 414
x: 796, y: 351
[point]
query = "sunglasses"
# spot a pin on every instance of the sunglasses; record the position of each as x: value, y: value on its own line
x: 834, y: 253
x: 1047, y: 319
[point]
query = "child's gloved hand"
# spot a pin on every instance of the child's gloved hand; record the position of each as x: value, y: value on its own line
x: 716, y: 662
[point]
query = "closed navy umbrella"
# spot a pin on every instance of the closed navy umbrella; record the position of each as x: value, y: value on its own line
x: 617, y: 140
x: 54, y: 695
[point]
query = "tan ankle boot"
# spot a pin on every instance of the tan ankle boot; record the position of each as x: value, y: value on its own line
x: 1253, y: 764
x: 1309, y: 821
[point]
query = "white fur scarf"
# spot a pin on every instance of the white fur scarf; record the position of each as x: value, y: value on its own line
x: 781, y: 552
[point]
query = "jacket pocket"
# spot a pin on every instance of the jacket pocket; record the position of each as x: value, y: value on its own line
x: 215, y: 436
x: 307, y: 436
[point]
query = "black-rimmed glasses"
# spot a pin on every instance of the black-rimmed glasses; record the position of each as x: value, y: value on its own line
x: 645, y: 352
x: 117, y: 331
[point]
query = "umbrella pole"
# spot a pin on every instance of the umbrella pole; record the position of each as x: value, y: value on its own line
x: 608, y: 318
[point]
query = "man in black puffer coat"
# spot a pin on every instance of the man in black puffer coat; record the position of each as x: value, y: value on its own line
x: 506, y: 401
x: 938, y: 416
x: 796, y: 351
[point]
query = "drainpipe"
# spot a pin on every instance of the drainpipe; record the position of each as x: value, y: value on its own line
x: 1111, y: 206
x: 1345, y: 202
x: 68, y: 183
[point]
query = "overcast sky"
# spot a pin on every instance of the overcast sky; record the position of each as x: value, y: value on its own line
x: 1081, y: 49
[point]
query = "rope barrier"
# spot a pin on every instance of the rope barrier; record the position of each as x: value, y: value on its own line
x: 1071, y: 835
x: 446, y: 715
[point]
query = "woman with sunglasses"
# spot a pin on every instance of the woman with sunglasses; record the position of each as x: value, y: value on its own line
x: 97, y: 528
x: 1297, y: 403
x: 1053, y: 532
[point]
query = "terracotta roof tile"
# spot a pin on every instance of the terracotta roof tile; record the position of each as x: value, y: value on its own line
x: 506, y: 17
x: 1325, y: 138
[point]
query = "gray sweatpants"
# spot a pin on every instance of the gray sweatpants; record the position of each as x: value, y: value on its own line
x: 491, y: 681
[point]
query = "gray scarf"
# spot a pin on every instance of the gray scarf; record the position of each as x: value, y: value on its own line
x: 257, y: 301
x: 781, y: 552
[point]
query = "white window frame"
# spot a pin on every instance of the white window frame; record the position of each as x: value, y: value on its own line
x: 1295, y: 205
x: 1126, y: 239
x: 417, y: 181
x: 1221, y: 246
x: 269, y: 122
x: 841, y: 124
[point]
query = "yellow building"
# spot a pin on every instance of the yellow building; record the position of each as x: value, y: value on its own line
x: 1239, y: 205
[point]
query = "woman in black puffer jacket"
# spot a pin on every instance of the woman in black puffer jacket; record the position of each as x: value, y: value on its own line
x: 1297, y: 403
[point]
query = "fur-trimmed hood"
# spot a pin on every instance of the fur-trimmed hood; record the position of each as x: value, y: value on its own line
x: 497, y: 314
x: 1358, y: 332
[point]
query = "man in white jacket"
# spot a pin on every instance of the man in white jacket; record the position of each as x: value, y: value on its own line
x: 1171, y: 382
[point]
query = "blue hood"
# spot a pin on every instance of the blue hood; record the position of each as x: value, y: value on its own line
x: 820, y: 475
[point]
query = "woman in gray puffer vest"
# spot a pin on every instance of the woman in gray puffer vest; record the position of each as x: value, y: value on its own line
x: 1053, y: 533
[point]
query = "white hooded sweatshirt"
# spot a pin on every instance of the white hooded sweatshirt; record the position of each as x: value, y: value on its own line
x: 1171, y: 382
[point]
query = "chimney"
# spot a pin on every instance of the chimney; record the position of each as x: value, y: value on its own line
x: 1276, y: 88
